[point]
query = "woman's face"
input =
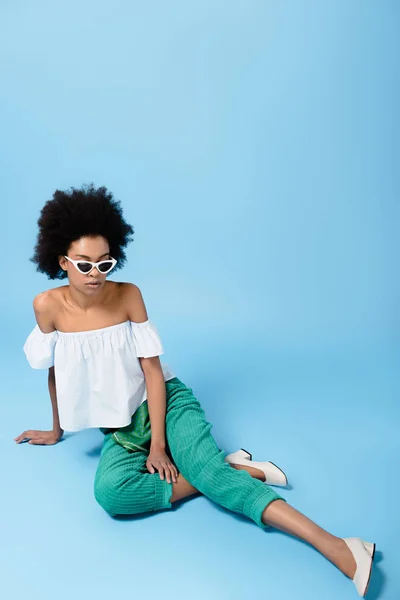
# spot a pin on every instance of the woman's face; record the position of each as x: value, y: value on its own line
x: 94, y: 249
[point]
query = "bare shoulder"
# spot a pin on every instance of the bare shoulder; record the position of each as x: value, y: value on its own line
x: 44, y: 301
x: 133, y: 301
x: 44, y: 305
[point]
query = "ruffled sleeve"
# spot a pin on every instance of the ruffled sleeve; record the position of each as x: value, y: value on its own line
x: 146, y: 339
x: 39, y: 348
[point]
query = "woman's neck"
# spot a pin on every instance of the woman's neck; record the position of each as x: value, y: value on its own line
x: 78, y: 300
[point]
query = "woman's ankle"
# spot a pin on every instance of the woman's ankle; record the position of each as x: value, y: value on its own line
x: 255, y: 473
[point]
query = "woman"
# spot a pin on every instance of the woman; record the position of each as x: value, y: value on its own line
x: 102, y: 352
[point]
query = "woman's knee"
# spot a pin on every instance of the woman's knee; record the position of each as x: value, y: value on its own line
x: 119, y: 494
x: 106, y: 493
x: 112, y: 491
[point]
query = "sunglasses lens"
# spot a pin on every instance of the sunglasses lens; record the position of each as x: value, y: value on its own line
x: 105, y: 266
x: 84, y: 267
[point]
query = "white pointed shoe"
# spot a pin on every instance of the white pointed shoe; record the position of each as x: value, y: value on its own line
x: 273, y: 474
x: 363, y: 560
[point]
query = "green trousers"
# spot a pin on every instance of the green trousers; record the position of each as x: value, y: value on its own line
x: 123, y: 485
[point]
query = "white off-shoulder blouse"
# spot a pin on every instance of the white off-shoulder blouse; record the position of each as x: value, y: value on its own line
x: 99, y: 379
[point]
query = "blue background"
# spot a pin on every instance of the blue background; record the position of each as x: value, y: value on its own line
x: 255, y: 148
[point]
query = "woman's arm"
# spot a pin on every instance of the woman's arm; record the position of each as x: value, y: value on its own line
x: 156, y: 394
x: 156, y: 400
x: 151, y: 367
x: 43, y: 307
x: 46, y: 438
x: 53, y: 397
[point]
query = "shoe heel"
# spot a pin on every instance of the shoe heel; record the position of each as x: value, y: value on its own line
x: 370, y: 548
x: 244, y: 454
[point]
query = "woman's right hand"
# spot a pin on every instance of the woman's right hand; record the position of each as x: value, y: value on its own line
x: 40, y: 438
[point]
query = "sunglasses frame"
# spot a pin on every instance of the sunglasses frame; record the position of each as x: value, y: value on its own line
x: 94, y: 264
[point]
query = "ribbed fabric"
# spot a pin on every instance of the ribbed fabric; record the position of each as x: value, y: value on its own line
x: 123, y: 485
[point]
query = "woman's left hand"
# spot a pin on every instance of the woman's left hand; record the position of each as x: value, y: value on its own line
x: 158, y: 459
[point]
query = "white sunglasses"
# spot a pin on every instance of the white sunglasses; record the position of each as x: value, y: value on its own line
x: 86, y: 266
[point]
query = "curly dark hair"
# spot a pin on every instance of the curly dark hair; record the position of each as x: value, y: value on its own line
x: 74, y: 213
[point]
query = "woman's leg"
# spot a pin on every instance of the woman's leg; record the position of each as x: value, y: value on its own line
x: 198, y: 458
x: 183, y: 489
x: 286, y: 518
x: 256, y: 473
x: 200, y: 461
x: 123, y: 484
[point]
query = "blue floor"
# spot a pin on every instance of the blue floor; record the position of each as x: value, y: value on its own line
x: 331, y: 423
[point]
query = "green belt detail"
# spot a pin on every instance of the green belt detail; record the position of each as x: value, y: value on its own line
x: 135, y: 437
